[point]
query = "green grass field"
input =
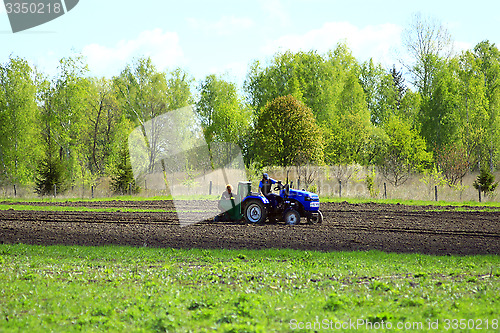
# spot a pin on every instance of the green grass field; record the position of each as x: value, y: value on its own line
x: 5, y: 203
x: 64, y: 289
x: 415, y: 202
x: 114, y: 198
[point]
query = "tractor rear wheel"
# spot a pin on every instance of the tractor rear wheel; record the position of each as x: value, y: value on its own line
x: 292, y: 217
x: 255, y: 212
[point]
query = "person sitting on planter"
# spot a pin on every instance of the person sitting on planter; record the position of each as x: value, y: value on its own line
x: 228, y: 193
x: 226, y: 203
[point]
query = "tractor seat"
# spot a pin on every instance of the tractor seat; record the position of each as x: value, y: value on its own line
x: 287, y: 190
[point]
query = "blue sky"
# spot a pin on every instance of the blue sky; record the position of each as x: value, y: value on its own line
x: 224, y: 37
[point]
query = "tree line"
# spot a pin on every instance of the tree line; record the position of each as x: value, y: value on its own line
x: 300, y: 108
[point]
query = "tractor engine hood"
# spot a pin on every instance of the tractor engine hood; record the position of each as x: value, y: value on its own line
x: 308, y: 196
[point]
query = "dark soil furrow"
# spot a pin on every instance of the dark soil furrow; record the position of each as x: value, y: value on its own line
x: 390, y: 228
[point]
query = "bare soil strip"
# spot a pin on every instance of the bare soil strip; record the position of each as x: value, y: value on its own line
x: 346, y: 227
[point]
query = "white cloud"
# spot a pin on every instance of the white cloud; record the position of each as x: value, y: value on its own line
x: 225, y: 26
x: 162, y: 47
x: 459, y: 47
x: 375, y: 41
x: 276, y: 11
x: 234, y: 71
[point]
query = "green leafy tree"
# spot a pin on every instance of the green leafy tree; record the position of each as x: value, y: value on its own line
x: 404, y: 152
x: 63, y: 123
x: 347, y: 136
x: 409, y: 108
x: 280, y: 78
x: 103, y: 116
x: 429, y: 45
x: 386, y: 103
x: 223, y: 115
x: 438, y: 117
x: 286, y: 132
x: 143, y: 95
x: 317, y: 80
x: 427, y: 41
x: 146, y: 93
x: 67, y: 104
x: 370, y: 78
x: 179, y: 92
x: 488, y: 59
x: 19, y: 141
x: 329, y: 85
x: 473, y: 109
x: 53, y: 167
x: 458, y: 111
x: 386, y: 95
x: 399, y: 84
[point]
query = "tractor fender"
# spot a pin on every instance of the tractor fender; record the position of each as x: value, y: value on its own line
x: 296, y: 205
x: 256, y: 197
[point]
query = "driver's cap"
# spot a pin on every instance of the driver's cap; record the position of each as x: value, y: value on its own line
x: 265, y: 176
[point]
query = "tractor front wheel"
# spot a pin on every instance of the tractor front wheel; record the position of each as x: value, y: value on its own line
x: 255, y: 212
x: 292, y: 217
x: 315, y: 218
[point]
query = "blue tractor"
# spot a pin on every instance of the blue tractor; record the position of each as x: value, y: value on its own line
x: 288, y: 206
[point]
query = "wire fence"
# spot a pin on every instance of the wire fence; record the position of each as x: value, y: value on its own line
x: 333, y: 182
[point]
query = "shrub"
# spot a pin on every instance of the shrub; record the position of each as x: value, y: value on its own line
x: 123, y: 174
x: 485, y: 182
x: 333, y: 303
x: 313, y: 188
x: 452, y: 162
x: 50, y: 173
x: 370, y: 184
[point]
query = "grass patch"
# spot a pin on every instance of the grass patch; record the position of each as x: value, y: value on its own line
x: 77, y: 209
x: 138, y: 198
x: 89, y: 209
x: 61, y: 288
x: 115, y: 198
x: 412, y: 202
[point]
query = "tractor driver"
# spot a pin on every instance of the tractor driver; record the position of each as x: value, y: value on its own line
x: 265, y: 186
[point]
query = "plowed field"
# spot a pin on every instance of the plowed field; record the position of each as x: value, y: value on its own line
x: 346, y: 227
